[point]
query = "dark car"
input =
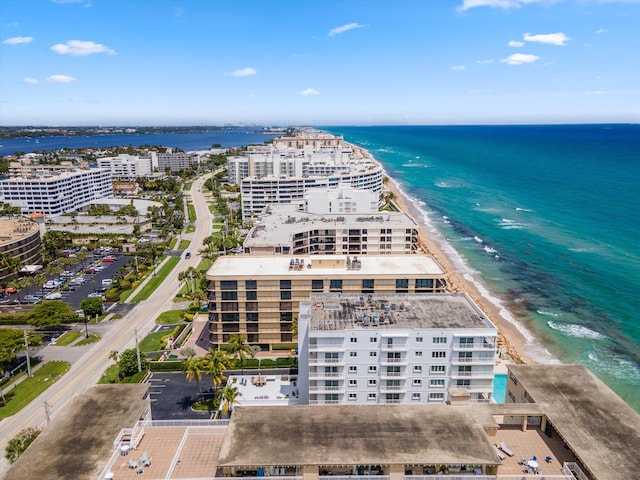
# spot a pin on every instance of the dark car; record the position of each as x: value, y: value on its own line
x: 90, y: 271
x: 187, y: 255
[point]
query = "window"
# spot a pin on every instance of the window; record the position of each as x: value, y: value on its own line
x: 417, y: 369
x: 353, y: 396
x: 285, y: 284
x: 371, y: 396
x: 464, y: 383
x: 436, y: 382
x: 317, y: 285
x: 466, y: 341
x: 353, y: 382
x: 415, y: 396
x: 373, y: 339
x: 439, y: 339
x: 353, y: 369
x: 228, y: 285
x: 367, y: 284
x: 285, y: 295
x: 251, y: 306
x: 436, y: 396
x: 285, y: 306
x: 417, y: 382
x: 335, y: 285
x: 438, y: 354
x: 252, y: 295
x: 252, y: 317
x: 438, y: 368
x: 353, y: 354
x: 373, y: 354
x: 513, y: 379
x: 353, y: 340
x: 424, y: 284
x: 402, y: 283
x: 512, y: 397
x: 419, y: 339
x: 251, y: 284
x: 373, y: 369
x: 418, y: 354
x: 229, y: 295
x: 373, y: 382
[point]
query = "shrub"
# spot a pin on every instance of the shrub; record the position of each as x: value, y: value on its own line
x: 16, y: 318
x: 19, y: 444
x: 171, y: 366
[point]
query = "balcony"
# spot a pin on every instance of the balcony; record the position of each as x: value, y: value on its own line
x: 393, y: 347
x: 479, y: 374
x: 321, y: 375
x: 393, y: 388
x: 325, y: 388
x: 326, y: 361
x: 384, y: 375
x: 474, y: 346
x: 488, y: 360
x: 393, y: 361
x: 326, y: 347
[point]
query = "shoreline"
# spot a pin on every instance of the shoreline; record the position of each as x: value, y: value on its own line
x: 511, y: 339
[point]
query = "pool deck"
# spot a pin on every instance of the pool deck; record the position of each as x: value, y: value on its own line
x: 265, y: 389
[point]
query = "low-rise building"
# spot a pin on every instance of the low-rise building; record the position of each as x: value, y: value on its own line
x: 260, y: 296
x: 19, y: 239
x: 368, y: 349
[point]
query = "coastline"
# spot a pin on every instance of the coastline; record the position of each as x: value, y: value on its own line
x: 511, y: 339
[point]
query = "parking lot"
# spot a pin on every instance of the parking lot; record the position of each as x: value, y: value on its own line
x: 172, y: 396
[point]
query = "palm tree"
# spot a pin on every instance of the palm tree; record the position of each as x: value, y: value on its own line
x: 192, y: 369
x: 229, y: 397
x: 238, y: 348
x: 215, y: 363
x: 82, y: 256
x: 114, y: 355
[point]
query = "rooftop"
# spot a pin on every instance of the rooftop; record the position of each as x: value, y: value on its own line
x: 14, y: 228
x: 602, y: 430
x: 325, y: 265
x: 414, y: 311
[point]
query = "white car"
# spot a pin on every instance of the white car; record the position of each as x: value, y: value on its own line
x: 53, y: 296
x: 94, y: 295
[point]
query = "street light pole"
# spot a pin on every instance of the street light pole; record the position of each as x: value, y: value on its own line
x: 86, y: 329
x: 138, y: 351
x: 26, y: 347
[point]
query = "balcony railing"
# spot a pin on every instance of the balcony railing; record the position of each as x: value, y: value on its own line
x: 395, y: 361
x: 316, y: 375
x: 477, y: 360
x: 321, y: 361
x: 479, y: 374
x: 474, y: 346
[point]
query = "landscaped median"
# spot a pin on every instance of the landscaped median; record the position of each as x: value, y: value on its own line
x: 153, y: 282
x: 24, y: 392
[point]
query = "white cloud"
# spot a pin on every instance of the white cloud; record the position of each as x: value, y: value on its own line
x: 520, y: 58
x: 87, y: 3
x: 598, y: 92
x: 344, y: 28
x: 29, y: 81
x: 601, y: 30
x: 80, y: 48
x: 458, y: 68
x: 243, y: 72
x: 513, y: 43
x: 551, y: 38
x: 308, y: 91
x: 17, y: 40
x: 468, y: 4
x: 60, y: 79
x: 485, y: 62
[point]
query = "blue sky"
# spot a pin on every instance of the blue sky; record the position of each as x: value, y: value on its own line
x: 329, y: 62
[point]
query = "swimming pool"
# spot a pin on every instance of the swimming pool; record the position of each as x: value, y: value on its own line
x: 500, y: 387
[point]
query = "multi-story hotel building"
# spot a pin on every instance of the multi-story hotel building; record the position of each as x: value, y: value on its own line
x: 127, y: 167
x: 285, y: 230
x: 260, y: 296
x: 57, y: 194
x: 368, y: 349
x: 19, y: 238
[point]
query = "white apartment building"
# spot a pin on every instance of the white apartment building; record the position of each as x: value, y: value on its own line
x: 57, y: 194
x: 127, y: 167
x: 286, y: 230
x: 341, y: 199
x: 368, y: 349
x: 176, y: 161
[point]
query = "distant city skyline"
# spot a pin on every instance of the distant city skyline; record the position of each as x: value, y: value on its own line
x: 365, y: 62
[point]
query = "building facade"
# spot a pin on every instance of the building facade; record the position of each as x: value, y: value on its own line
x: 368, y: 349
x: 19, y: 238
x: 59, y: 193
x: 259, y: 296
x: 127, y: 167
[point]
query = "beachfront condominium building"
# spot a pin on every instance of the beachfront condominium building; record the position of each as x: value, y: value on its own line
x: 59, y: 193
x: 176, y: 161
x: 268, y: 175
x: 30, y: 166
x: 19, y: 239
x: 127, y: 167
x: 342, y: 220
x: 259, y: 296
x: 410, y: 348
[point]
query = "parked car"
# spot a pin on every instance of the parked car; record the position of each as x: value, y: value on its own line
x: 94, y: 295
x: 31, y: 298
x: 53, y: 296
x: 187, y: 255
x: 108, y: 260
x: 90, y: 271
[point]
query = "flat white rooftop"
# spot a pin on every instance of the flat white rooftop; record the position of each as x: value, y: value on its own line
x: 314, y: 266
x: 265, y: 388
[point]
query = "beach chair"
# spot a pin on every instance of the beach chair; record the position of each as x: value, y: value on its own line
x: 537, y: 470
x: 523, y: 461
x: 504, y: 448
x: 143, y: 458
x: 147, y: 462
x: 548, y: 459
x: 534, y: 458
x: 501, y: 455
x: 133, y: 464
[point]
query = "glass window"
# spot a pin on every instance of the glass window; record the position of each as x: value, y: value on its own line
x: 252, y: 295
x: 353, y: 382
x: 373, y: 354
x: 367, y: 284
x: 402, y: 283
x: 438, y: 354
x: 228, y: 285
x: 317, y: 285
x: 353, y: 369
x: 335, y: 285
x: 438, y: 368
x: 251, y: 284
x: 373, y: 382
x: 353, y: 354
x: 417, y: 368
x: 436, y: 382
x: 424, y: 283
x: 418, y: 354
x: 229, y: 295
x: 285, y: 284
x: 353, y: 396
x: 285, y: 295
x: 371, y: 396
x: 373, y: 369
x: 373, y: 339
x: 353, y: 340
x: 418, y: 339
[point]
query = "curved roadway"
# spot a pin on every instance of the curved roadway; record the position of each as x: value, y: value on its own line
x: 86, y: 370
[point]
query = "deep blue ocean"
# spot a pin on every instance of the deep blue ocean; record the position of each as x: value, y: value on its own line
x: 545, y: 220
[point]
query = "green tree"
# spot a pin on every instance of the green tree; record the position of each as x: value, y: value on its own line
x: 52, y: 242
x: 50, y: 314
x: 91, y: 306
x: 192, y: 369
x: 238, y: 348
x: 188, y: 352
x: 215, y: 363
x: 19, y: 444
x: 128, y: 363
x: 229, y: 397
x: 11, y: 342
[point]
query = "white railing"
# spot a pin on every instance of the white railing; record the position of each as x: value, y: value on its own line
x: 473, y: 360
x: 182, y: 423
x: 573, y: 469
x: 475, y: 346
x: 313, y: 375
x: 393, y: 360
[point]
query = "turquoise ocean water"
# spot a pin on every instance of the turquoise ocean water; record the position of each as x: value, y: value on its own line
x: 544, y: 219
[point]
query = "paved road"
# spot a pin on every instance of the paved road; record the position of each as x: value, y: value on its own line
x: 93, y: 359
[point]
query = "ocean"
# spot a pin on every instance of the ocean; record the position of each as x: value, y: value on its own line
x: 544, y: 220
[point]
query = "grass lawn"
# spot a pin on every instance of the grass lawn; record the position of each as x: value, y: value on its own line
x: 30, y: 388
x: 68, y: 338
x: 205, y: 264
x: 157, y: 280
x: 151, y: 342
x: 169, y: 317
x: 184, y: 244
x: 92, y: 339
x: 187, y: 186
x: 110, y: 375
x: 192, y: 212
x: 191, y: 228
